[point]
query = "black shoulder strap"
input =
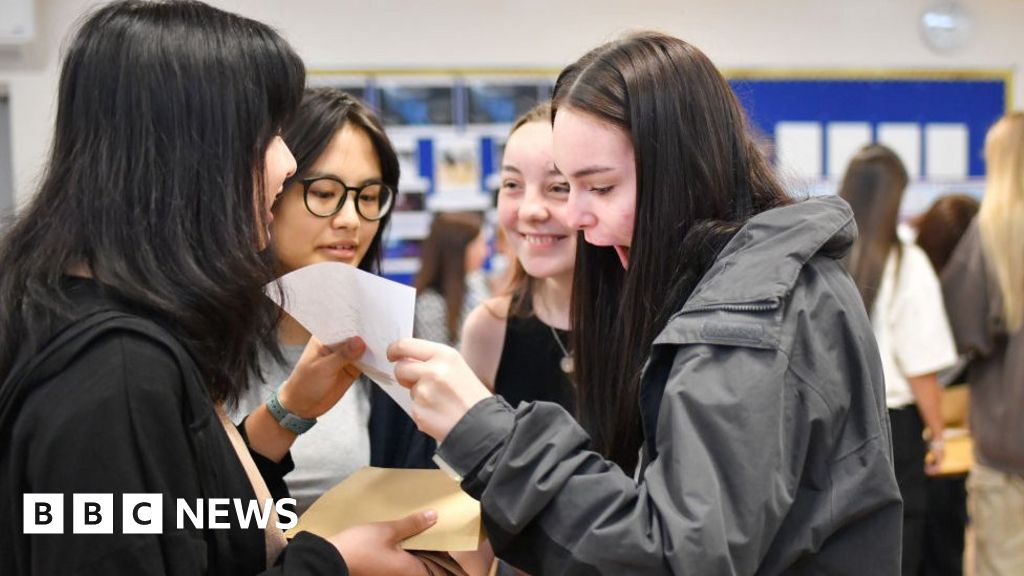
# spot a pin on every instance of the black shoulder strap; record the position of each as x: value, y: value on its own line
x: 67, y: 344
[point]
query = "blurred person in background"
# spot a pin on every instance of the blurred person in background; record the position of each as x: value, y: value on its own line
x: 984, y: 289
x: 450, y: 283
x: 902, y: 295
x: 939, y: 230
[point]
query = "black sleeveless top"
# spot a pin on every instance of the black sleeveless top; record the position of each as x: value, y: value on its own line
x: 529, y: 369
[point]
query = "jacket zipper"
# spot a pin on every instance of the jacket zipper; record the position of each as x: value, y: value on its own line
x: 733, y: 308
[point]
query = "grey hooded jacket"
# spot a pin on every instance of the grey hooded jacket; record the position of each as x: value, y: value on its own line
x: 767, y: 445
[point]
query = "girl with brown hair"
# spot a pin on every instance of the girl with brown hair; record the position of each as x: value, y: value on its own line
x: 518, y: 343
x: 446, y: 286
x: 901, y: 294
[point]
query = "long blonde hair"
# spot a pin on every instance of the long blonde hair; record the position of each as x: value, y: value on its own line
x: 1002, y: 212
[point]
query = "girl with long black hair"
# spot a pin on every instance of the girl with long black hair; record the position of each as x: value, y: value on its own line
x: 132, y: 307
x: 730, y: 391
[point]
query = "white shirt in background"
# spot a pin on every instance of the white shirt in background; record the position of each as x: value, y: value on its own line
x: 910, y: 323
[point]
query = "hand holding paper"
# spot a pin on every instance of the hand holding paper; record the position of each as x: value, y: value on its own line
x: 321, y: 377
x: 336, y: 301
x: 444, y: 386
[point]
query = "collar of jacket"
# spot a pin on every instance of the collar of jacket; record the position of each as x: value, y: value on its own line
x: 761, y: 263
x: 757, y: 269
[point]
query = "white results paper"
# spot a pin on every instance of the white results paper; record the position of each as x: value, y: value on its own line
x: 335, y: 301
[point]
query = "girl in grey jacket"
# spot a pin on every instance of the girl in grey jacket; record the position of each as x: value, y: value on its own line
x: 732, y: 409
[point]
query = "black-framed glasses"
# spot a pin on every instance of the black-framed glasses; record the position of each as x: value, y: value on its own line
x: 324, y: 196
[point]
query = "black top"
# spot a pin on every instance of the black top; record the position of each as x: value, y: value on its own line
x: 395, y: 442
x: 530, y: 366
x: 115, y: 405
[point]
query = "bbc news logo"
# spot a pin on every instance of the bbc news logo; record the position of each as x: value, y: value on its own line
x: 144, y: 513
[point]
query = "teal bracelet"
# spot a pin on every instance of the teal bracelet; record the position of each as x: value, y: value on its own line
x: 286, y: 419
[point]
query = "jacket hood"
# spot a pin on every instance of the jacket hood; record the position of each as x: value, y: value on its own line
x: 762, y: 261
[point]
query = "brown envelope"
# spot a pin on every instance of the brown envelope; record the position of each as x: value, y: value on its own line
x: 959, y: 456
x: 383, y: 494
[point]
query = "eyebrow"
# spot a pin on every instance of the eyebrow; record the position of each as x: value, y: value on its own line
x: 511, y: 168
x: 371, y: 180
x: 591, y: 170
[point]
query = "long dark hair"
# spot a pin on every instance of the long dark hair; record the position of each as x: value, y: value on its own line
x: 699, y: 177
x: 443, y: 262
x: 873, y: 186
x: 165, y: 111
x: 323, y: 112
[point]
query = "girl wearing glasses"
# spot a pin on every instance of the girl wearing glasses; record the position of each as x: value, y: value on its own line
x: 132, y: 308
x: 731, y: 400
x: 335, y: 209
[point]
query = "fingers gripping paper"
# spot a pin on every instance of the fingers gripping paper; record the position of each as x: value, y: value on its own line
x: 336, y: 301
x: 384, y: 494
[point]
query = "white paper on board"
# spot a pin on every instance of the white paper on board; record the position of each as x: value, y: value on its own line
x: 904, y: 138
x: 798, y: 149
x: 335, y: 301
x: 845, y: 139
x: 946, y: 151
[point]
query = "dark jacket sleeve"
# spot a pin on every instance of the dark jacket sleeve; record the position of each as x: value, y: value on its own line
x: 308, y: 554
x: 551, y: 506
x: 973, y: 303
x: 112, y: 423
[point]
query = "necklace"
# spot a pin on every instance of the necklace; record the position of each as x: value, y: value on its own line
x: 566, y: 363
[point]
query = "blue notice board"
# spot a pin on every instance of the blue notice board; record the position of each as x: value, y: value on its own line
x: 975, y: 100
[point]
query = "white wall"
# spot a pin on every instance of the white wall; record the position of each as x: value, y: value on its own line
x: 863, y: 34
